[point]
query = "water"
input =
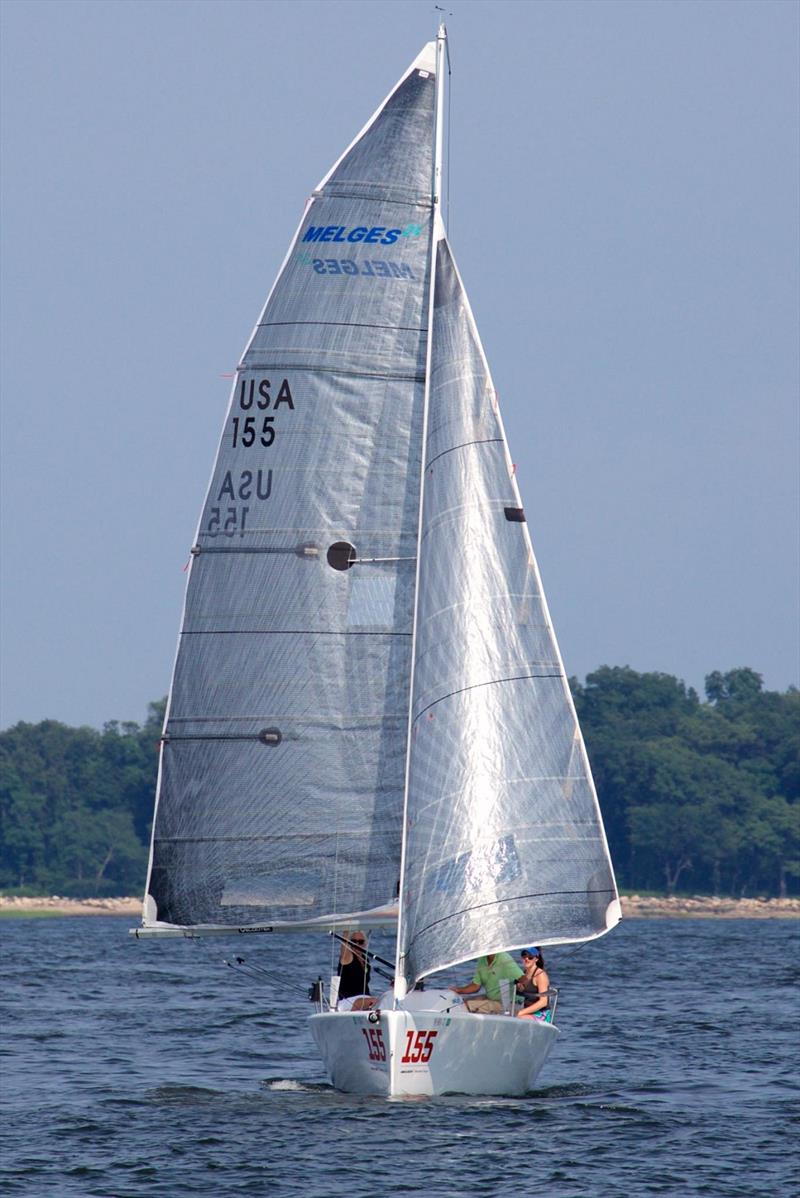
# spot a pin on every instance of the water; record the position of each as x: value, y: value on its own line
x: 142, y: 1068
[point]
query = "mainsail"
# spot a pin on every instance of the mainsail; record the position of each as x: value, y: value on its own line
x: 504, y: 843
x: 282, y: 768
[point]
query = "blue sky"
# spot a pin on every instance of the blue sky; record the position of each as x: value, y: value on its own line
x: 624, y: 211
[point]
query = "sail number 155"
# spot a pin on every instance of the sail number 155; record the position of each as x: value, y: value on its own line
x: 419, y: 1047
x: 258, y: 429
x: 249, y: 431
x: 375, y: 1045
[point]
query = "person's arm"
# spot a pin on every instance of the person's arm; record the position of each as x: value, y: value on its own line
x: 472, y: 987
x: 345, y: 953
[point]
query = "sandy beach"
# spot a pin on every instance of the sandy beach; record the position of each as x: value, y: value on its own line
x: 633, y: 907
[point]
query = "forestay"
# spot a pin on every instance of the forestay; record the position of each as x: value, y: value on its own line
x: 282, y: 768
x: 505, y: 844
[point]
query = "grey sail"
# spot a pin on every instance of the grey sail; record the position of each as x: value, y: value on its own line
x: 282, y: 769
x: 505, y: 844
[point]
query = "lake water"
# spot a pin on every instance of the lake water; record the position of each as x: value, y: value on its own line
x: 151, y: 1068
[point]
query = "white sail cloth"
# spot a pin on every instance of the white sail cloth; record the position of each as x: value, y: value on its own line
x: 505, y: 844
x: 283, y: 765
x: 282, y: 773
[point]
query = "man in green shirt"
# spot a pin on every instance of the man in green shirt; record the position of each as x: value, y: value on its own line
x: 490, y: 972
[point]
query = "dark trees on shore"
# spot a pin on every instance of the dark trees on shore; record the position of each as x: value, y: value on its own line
x: 696, y: 795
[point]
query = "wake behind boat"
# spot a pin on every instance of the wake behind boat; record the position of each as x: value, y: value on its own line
x: 369, y: 723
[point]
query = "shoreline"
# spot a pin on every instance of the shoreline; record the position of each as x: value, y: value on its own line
x: 634, y: 906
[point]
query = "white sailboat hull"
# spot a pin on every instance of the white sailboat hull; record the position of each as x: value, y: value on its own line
x: 404, y: 1053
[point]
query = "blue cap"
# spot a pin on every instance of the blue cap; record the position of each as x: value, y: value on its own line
x: 531, y: 952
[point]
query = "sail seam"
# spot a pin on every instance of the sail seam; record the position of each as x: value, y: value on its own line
x: 464, y: 445
x: 376, y: 193
x: 340, y: 324
x: 311, y: 367
x: 478, y: 685
x: 517, y: 898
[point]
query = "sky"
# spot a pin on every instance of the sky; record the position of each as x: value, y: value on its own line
x: 624, y: 211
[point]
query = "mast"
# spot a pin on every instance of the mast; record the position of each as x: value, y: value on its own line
x: 437, y: 232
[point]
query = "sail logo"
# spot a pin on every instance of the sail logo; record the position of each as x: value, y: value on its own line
x: 369, y: 267
x: 377, y: 235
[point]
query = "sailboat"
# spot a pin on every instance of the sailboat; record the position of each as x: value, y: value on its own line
x: 369, y: 723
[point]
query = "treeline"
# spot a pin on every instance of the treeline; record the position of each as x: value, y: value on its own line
x: 703, y: 796
x: 698, y: 796
x: 76, y: 806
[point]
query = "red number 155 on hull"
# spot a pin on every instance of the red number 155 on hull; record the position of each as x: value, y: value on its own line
x: 419, y: 1047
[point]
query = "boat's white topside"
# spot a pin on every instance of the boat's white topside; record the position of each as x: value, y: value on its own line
x: 430, y: 1045
x: 435, y: 1001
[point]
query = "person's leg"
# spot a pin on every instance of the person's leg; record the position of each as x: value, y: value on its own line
x: 364, y: 1003
x: 484, y: 1006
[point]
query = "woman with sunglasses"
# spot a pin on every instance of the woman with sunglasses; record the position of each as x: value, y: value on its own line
x: 534, y: 986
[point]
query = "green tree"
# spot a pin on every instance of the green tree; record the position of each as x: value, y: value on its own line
x: 76, y: 805
x: 741, y: 684
x: 701, y: 793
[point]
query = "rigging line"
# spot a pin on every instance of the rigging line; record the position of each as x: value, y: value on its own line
x: 217, y: 961
x: 477, y: 686
x: 388, y: 977
x: 372, y: 956
x: 246, y: 968
x: 400, y: 984
x: 464, y: 445
x: 362, y: 561
x: 572, y: 951
x: 379, y: 194
x: 366, y: 950
x: 516, y: 898
x: 336, y: 888
x: 242, y: 965
x: 449, y: 106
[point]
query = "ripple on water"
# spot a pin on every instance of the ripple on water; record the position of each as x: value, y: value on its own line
x: 184, y: 1094
x: 170, y: 1082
